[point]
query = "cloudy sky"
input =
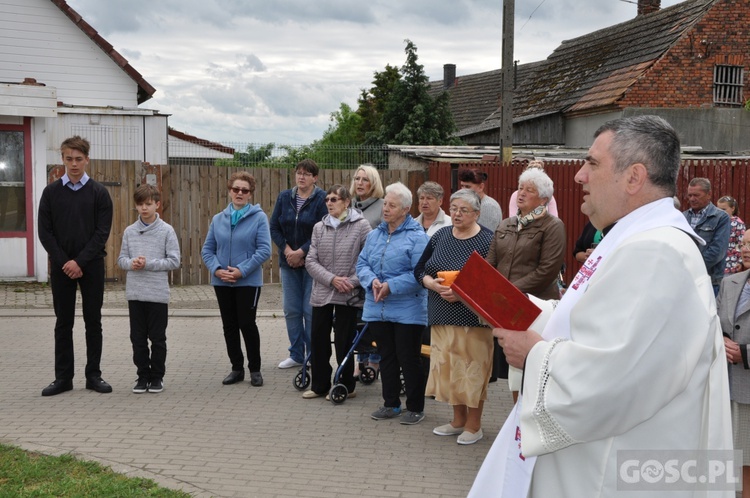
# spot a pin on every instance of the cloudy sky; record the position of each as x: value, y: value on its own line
x: 259, y: 71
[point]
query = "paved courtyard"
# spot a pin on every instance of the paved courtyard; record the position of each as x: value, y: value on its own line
x: 213, y: 440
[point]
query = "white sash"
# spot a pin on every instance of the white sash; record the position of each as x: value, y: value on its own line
x: 505, y: 472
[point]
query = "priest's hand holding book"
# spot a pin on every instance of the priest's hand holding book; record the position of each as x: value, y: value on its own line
x: 516, y: 344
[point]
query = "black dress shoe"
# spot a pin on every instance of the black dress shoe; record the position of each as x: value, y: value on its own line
x: 256, y: 379
x: 57, y: 387
x: 97, y: 384
x: 234, y: 377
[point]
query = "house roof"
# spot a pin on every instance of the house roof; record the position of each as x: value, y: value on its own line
x: 594, y: 71
x: 145, y: 90
x: 200, y: 142
x: 475, y: 96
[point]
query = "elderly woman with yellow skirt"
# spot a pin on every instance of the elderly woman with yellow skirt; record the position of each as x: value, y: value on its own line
x: 461, y: 352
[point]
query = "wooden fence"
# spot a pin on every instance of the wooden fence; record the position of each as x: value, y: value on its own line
x: 192, y: 194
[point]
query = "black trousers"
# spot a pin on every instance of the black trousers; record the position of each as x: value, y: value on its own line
x: 64, y: 302
x: 344, y: 331
x: 238, y: 307
x: 148, y: 321
x: 400, y: 346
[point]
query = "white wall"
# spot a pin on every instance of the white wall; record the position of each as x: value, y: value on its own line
x: 139, y: 136
x: 12, y: 258
x: 37, y: 40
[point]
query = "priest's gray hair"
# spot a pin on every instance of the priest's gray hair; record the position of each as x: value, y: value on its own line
x: 469, y: 197
x: 649, y: 140
x: 539, y: 179
x: 401, y: 192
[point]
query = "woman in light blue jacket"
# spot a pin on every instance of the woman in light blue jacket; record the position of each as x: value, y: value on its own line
x: 395, y: 303
x: 237, y: 245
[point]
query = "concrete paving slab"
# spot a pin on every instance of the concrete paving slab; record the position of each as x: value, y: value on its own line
x: 215, y: 440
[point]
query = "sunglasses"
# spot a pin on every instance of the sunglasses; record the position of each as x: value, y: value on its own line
x: 333, y: 199
x: 237, y: 190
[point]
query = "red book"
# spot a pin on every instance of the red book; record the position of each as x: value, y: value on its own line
x: 486, y: 291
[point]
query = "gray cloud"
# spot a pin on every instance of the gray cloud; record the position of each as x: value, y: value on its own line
x: 227, y: 70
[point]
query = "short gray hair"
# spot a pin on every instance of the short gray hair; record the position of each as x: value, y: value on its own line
x: 469, y: 197
x: 402, y: 192
x: 432, y: 189
x: 649, y: 140
x: 540, y: 180
x: 703, y: 183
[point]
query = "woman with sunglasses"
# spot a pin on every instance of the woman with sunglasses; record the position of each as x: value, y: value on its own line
x: 728, y: 204
x: 237, y: 244
x: 334, y: 248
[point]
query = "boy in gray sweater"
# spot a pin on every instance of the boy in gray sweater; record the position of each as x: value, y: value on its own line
x: 149, y: 250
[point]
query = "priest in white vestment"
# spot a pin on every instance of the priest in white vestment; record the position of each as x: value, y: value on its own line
x: 631, y: 361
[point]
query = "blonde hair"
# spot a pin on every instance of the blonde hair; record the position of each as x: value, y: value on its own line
x: 376, y: 186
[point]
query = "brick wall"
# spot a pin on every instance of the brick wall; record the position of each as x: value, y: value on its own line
x: 684, y: 76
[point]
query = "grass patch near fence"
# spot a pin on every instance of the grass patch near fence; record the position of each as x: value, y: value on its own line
x: 27, y: 474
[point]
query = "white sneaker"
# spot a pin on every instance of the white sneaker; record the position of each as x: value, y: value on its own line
x: 289, y: 363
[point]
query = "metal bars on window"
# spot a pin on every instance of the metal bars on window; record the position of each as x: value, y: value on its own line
x: 728, y: 85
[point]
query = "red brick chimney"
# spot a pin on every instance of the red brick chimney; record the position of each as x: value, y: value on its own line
x: 648, y: 6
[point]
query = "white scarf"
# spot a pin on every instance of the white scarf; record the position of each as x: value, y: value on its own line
x: 505, y: 472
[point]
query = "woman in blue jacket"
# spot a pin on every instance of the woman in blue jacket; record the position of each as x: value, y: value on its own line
x: 237, y: 245
x: 396, y: 304
x: 296, y: 212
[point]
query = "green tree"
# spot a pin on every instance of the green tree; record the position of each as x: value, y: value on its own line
x: 345, y: 127
x: 411, y: 115
x: 372, y: 102
x: 252, y: 157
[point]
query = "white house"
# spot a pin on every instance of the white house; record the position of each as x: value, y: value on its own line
x: 58, y: 78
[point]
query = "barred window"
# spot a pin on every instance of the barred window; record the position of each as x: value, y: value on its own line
x: 728, y: 85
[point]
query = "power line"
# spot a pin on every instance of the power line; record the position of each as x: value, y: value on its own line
x: 532, y: 13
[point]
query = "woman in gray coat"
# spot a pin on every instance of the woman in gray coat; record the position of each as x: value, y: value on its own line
x: 733, y: 303
x: 334, y: 249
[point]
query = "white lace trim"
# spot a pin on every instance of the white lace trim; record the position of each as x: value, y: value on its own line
x: 552, y: 436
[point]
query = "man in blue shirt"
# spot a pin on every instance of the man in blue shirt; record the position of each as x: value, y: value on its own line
x: 712, y: 224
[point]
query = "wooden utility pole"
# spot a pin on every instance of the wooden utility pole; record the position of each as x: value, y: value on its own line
x: 506, y: 114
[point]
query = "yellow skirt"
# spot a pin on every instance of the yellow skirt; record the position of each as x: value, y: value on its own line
x: 460, y: 364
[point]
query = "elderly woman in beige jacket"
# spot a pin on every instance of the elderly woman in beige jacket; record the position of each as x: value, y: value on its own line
x: 335, y: 246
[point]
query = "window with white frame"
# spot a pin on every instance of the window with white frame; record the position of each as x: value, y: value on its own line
x: 728, y: 82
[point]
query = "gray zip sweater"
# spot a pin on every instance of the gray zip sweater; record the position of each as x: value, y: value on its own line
x: 158, y: 243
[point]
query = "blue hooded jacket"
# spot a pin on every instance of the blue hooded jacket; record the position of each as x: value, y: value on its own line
x: 392, y: 258
x: 246, y: 247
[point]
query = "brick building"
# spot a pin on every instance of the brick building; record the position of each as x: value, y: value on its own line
x: 688, y: 63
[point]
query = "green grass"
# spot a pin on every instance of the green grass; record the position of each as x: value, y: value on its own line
x: 27, y: 474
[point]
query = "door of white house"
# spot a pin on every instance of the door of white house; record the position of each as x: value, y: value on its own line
x: 16, y: 223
